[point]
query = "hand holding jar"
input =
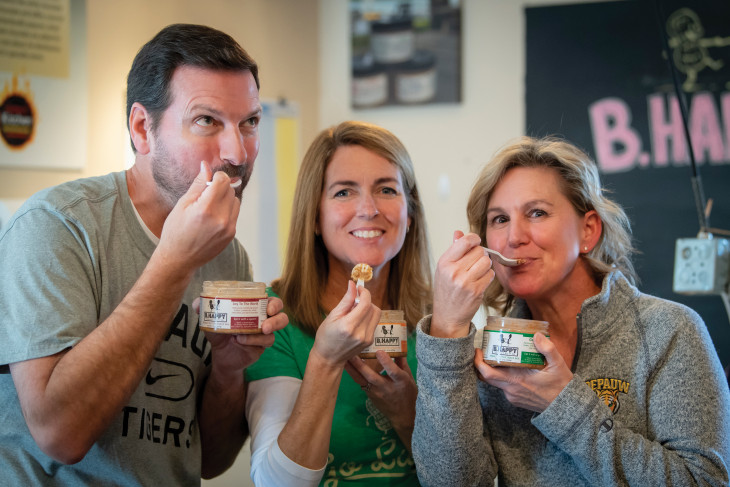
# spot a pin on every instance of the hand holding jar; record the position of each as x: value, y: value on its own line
x: 524, y: 387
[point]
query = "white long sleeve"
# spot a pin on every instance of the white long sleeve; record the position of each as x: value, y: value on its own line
x: 269, y: 404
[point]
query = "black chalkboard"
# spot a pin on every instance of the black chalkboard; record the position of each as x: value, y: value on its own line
x: 596, y: 75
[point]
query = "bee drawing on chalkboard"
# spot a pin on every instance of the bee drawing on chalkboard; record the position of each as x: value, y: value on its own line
x: 690, y: 47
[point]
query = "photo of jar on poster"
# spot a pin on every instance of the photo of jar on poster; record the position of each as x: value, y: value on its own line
x: 405, y: 52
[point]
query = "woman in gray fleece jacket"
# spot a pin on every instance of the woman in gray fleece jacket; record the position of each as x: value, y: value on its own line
x: 633, y: 392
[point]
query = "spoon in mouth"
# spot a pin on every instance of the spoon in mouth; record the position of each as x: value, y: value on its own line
x: 506, y: 261
x: 233, y: 185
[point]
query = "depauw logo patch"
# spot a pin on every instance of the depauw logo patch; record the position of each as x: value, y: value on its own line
x: 608, y: 389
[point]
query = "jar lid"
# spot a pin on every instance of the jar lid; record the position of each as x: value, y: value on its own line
x: 365, y: 66
x: 516, y: 324
x: 420, y: 61
x: 236, y: 284
x: 395, y: 25
x: 389, y: 315
x: 233, y: 286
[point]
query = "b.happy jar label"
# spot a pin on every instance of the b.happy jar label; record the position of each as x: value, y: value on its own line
x: 234, y: 314
x: 511, y: 348
x: 509, y: 342
x: 390, y: 338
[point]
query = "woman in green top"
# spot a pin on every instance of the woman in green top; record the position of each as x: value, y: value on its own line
x: 356, y: 201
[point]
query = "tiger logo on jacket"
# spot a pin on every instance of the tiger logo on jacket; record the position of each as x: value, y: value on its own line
x: 608, y: 390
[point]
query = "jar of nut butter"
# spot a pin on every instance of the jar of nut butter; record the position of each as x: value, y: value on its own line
x: 508, y: 342
x: 233, y: 306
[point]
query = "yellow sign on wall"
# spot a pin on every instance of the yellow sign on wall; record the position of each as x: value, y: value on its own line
x: 287, y: 165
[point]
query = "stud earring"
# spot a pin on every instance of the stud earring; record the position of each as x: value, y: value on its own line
x: 585, y: 249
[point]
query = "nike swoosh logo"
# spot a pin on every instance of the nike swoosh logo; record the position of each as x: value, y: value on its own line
x: 151, y: 380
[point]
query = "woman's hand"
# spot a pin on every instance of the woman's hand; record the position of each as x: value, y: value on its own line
x: 462, y: 275
x: 347, y: 329
x: 393, y: 394
x: 529, y: 388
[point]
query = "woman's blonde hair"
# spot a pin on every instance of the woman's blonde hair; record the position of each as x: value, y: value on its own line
x: 580, y: 184
x: 306, y: 267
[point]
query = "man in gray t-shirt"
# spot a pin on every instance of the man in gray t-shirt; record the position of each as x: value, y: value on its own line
x: 105, y: 375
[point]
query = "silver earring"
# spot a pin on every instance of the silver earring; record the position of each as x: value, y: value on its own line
x: 585, y: 249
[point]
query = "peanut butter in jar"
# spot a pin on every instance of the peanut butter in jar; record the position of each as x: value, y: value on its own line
x: 508, y: 342
x: 391, y: 335
x: 233, y: 306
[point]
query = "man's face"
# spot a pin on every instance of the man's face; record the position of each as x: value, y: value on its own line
x: 213, y: 117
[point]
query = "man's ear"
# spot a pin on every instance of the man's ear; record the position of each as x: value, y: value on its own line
x: 140, y: 128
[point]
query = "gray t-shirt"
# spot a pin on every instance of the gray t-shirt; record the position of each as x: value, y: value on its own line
x: 69, y: 256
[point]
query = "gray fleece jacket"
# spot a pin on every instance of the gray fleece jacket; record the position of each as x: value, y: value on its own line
x: 648, y: 405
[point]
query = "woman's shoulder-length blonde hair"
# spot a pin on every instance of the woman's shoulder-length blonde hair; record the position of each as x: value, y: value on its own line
x: 306, y: 266
x: 581, y: 185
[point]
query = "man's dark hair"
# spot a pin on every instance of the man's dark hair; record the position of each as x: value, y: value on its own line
x: 148, y: 82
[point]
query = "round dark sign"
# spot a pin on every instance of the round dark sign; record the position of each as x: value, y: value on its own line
x: 17, y: 121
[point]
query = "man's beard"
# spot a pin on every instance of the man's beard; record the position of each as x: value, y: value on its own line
x: 173, y: 182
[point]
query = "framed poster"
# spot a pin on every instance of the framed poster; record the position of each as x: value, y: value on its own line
x: 405, y: 52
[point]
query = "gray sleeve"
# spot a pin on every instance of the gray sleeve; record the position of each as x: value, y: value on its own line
x: 687, y: 439
x: 48, y: 286
x: 449, y: 444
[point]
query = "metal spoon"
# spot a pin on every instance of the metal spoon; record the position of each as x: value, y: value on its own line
x: 233, y: 185
x: 502, y: 259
